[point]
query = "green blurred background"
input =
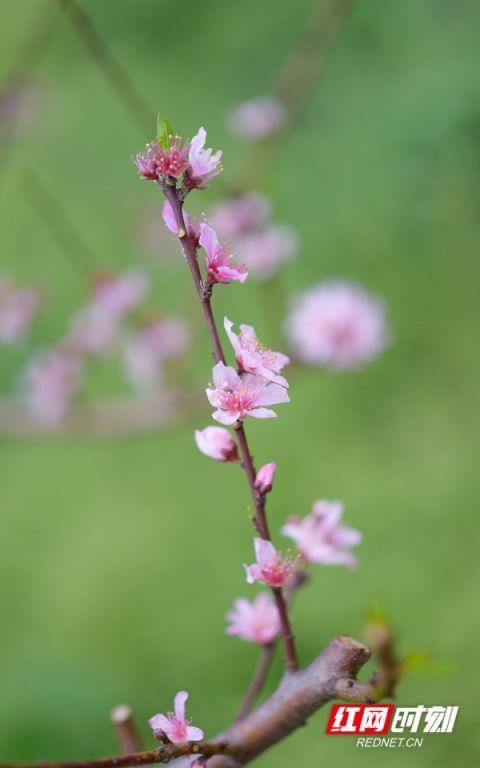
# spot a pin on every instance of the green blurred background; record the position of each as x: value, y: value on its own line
x: 119, y: 557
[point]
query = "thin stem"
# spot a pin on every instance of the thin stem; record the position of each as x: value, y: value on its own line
x: 258, y: 680
x: 260, y: 521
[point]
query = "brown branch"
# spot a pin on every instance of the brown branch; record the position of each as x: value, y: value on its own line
x: 127, y: 732
x: 176, y: 201
x: 298, y: 696
x: 115, y: 73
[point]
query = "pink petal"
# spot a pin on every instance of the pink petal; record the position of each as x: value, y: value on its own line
x: 194, y: 734
x: 272, y: 394
x: 228, y: 325
x: 265, y: 552
x: 159, y: 723
x: 208, y: 238
x: 253, y: 573
x: 226, y: 417
x: 263, y: 413
x: 224, y: 376
x: 179, y: 704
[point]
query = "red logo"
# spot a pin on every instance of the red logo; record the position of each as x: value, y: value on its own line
x: 352, y: 719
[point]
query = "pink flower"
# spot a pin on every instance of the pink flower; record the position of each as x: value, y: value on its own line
x: 156, y: 161
x: 51, y: 383
x: 269, y: 569
x: 241, y: 214
x: 203, y: 165
x: 257, y: 118
x: 18, y: 307
x: 174, y: 726
x: 337, y: 324
x: 218, y: 258
x: 120, y: 294
x: 264, y: 478
x: 256, y: 621
x: 266, y: 251
x: 235, y: 397
x: 192, y: 230
x: 320, y: 538
x: 92, y: 330
x: 217, y: 443
x: 252, y: 357
x: 145, y: 352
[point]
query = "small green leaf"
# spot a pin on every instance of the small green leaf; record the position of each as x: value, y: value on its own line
x: 164, y: 131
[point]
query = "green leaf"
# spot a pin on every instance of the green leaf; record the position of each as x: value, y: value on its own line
x: 164, y: 131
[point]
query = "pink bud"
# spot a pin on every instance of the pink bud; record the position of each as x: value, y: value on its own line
x: 264, y: 478
x: 217, y: 443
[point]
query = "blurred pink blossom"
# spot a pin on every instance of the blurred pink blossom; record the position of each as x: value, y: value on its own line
x: 256, y: 118
x: 19, y: 106
x: 236, y: 397
x: 337, y: 324
x: 51, y: 382
x: 256, y: 621
x: 252, y: 357
x: 18, y: 307
x: 120, y: 294
x: 264, y: 252
x: 270, y: 568
x: 174, y: 725
x: 93, y: 330
x: 241, y: 214
x: 203, y: 164
x: 218, y: 258
x: 264, y: 478
x: 320, y: 538
x: 145, y: 351
x: 217, y: 443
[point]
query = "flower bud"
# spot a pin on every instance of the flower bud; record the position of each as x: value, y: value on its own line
x: 217, y: 443
x: 264, y: 478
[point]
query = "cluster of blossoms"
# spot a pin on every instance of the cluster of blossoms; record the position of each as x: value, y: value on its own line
x: 190, y: 162
x: 18, y: 308
x: 52, y: 378
x: 263, y: 246
x: 338, y: 325
x: 248, y: 389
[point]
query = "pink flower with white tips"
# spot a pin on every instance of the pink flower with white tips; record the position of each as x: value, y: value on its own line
x: 18, y: 307
x: 235, y: 397
x: 270, y: 568
x: 256, y: 621
x: 192, y: 230
x: 337, y: 324
x: 241, y: 214
x: 257, y: 118
x: 217, y: 443
x: 174, y: 727
x: 252, y: 357
x: 320, y: 538
x: 121, y: 293
x: 264, y: 478
x: 203, y: 164
x: 218, y: 258
x: 266, y: 251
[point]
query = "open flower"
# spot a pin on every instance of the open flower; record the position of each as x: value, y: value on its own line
x: 257, y: 118
x: 264, y: 478
x: 270, y: 568
x: 252, y: 357
x: 256, y: 621
x: 217, y: 443
x: 235, y: 397
x: 337, y: 324
x: 157, y: 161
x: 320, y: 538
x: 174, y: 726
x: 218, y: 258
x: 203, y: 164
